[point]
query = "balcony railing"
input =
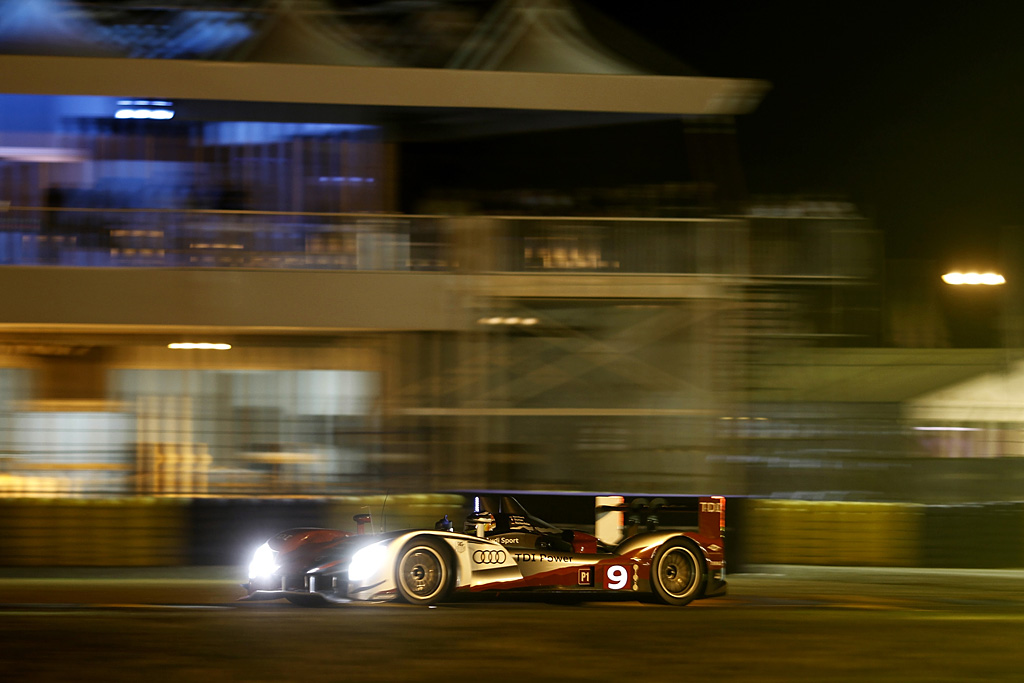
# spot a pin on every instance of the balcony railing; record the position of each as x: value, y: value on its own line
x: 103, y: 237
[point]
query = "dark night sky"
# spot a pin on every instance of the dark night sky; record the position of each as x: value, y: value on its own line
x: 914, y: 111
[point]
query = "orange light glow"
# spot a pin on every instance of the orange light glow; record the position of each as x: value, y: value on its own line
x: 204, y: 346
x: 956, y: 278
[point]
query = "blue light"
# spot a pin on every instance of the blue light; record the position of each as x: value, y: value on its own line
x: 256, y: 132
x: 143, y: 109
x: 344, y: 179
x: 155, y: 114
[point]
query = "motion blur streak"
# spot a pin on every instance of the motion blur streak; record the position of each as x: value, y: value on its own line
x: 557, y: 279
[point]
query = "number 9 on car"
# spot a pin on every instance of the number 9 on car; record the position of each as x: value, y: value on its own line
x: 616, y: 577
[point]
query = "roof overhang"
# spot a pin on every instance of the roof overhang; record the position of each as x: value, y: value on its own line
x: 379, y: 86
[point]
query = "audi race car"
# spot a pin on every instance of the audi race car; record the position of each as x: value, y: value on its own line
x: 502, y: 549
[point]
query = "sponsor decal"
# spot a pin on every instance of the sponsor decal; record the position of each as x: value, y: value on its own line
x: 541, y: 557
x: 489, y: 556
x: 460, y: 547
x: 508, y: 541
x: 711, y: 507
x: 586, y: 576
x: 714, y: 547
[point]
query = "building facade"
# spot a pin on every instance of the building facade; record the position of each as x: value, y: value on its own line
x: 600, y: 331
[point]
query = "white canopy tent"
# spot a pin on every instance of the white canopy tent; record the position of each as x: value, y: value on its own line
x: 991, y: 397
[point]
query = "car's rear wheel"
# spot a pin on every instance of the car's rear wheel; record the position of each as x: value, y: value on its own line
x: 678, y: 572
x: 424, y: 573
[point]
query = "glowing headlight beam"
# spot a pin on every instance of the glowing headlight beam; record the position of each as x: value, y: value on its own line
x: 264, y: 562
x: 366, y: 562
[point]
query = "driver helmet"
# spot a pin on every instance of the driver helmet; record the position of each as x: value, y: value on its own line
x: 479, y: 523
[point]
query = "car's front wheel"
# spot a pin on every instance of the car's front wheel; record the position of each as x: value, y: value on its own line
x: 678, y: 572
x: 424, y: 573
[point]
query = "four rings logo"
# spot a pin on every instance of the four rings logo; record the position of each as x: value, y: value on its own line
x: 489, y: 556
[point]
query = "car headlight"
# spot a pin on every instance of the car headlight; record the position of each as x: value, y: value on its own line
x: 366, y: 562
x: 264, y: 562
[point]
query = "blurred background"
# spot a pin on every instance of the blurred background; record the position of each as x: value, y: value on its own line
x: 320, y: 249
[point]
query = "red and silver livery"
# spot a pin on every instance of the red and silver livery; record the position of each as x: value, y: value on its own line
x: 503, y: 549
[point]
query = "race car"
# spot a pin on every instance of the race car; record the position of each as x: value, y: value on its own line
x: 502, y: 549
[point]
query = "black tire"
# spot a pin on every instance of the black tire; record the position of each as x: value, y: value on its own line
x: 306, y: 600
x: 424, y: 573
x: 678, y: 572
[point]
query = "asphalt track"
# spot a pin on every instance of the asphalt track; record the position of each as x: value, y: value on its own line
x: 778, y: 623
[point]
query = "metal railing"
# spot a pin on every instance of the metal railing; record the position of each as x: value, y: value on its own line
x: 224, y: 239
x: 104, y: 237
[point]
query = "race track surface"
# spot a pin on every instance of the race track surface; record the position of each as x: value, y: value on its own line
x: 777, y: 624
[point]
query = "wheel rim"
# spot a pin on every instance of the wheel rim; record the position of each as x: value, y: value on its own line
x: 677, y: 572
x: 422, y: 572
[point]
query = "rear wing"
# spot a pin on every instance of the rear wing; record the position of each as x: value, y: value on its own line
x: 618, y: 517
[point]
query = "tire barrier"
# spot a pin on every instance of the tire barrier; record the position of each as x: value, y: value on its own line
x: 984, y: 535
x: 145, y: 531
x: 973, y: 536
x: 136, y: 532
x: 833, y: 533
x: 114, y: 532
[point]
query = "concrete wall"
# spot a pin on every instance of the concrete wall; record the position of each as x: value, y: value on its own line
x: 881, y: 534
x: 139, y: 532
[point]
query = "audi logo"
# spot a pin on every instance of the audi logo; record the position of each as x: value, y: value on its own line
x: 489, y: 556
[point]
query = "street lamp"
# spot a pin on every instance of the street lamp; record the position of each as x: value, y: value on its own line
x: 983, y: 312
x: 957, y: 278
